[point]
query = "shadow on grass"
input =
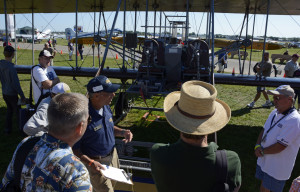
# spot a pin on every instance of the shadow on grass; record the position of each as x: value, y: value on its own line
x: 240, y: 112
x: 245, y: 110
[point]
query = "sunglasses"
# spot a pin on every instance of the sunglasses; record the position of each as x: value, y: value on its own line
x: 277, y: 98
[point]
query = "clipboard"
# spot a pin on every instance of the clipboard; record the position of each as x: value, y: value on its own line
x: 116, y: 174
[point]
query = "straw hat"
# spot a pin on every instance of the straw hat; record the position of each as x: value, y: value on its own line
x: 195, y: 110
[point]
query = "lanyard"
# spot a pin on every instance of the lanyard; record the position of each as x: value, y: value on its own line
x: 272, y: 126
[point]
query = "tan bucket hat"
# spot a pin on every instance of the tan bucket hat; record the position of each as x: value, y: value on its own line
x: 195, y: 110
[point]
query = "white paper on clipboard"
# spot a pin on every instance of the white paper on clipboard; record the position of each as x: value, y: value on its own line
x: 116, y: 174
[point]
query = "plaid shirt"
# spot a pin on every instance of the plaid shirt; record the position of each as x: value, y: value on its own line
x: 50, y: 166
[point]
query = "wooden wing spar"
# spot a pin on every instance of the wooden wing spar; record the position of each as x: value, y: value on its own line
x: 277, y: 7
x: 219, y: 43
x: 258, y: 45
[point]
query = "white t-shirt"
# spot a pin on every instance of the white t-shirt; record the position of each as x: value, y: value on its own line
x: 287, y: 133
x: 39, y: 75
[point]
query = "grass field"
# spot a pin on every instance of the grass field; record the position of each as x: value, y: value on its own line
x: 239, y: 135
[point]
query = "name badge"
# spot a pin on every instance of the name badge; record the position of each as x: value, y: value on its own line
x: 97, y: 128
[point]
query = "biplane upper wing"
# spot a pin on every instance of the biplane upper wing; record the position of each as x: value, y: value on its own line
x: 277, y: 7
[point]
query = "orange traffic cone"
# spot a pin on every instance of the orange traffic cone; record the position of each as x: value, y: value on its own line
x: 117, y: 56
x: 61, y: 52
x: 233, y: 72
x: 18, y: 46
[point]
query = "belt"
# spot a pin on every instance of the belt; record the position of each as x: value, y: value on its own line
x: 101, y: 157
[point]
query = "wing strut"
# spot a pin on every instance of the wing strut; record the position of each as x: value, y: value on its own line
x: 6, y: 30
x: 252, y: 40
x: 212, y: 16
x: 264, y: 48
x: 239, y: 40
x: 124, y: 35
x: 247, y: 23
x: 109, y: 39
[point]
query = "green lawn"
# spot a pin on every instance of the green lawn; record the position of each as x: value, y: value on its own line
x: 239, y: 135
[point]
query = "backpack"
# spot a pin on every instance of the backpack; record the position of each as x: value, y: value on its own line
x: 221, y: 170
x: 14, y: 185
x: 297, y: 73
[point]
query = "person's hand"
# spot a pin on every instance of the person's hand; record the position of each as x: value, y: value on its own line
x: 259, y: 152
x: 23, y: 101
x: 127, y: 135
x: 97, y: 166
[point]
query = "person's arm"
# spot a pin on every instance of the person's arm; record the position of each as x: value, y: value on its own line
x: 47, y: 84
x: 90, y: 162
x: 38, y: 122
x: 16, y: 83
x: 258, y: 151
x: 126, y: 133
x: 54, y: 52
x: 273, y: 149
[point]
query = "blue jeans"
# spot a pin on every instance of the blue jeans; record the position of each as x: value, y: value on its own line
x: 269, y: 182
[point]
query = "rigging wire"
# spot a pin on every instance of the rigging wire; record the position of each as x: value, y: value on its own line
x: 219, y: 23
x: 229, y: 24
x: 198, y: 31
x: 48, y: 22
x: 254, y: 19
x: 261, y: 26
x: 287, y: 12
x: 276, y: 28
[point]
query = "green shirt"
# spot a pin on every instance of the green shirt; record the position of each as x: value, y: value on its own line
x: 183, y: 167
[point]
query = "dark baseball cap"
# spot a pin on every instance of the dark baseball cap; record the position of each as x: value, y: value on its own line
x: 295, y: 55
x: 101, y: 83
x: 9, y: 49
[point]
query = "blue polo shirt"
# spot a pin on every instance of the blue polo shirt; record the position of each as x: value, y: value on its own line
x: 99, y: 138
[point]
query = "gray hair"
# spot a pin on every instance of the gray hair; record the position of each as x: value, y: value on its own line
x: 65, y: 112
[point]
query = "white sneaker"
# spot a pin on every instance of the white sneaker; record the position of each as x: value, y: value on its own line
x: 251, y: 105
x: 268, y: 104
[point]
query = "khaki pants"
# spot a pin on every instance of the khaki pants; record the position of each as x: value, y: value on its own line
x: 101, y: 184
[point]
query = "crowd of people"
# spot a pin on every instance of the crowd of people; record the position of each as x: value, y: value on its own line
x: 76, y: 135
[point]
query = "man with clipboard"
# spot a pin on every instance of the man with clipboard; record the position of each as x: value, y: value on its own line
x: 278, y: 143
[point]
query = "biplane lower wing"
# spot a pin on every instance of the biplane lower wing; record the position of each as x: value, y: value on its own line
x: 255, y: 44
x: 249, y: 80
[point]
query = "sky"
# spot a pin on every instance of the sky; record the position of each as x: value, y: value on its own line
x: 225, y: 23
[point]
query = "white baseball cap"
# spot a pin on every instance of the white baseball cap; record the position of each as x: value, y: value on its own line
x: 60, y: 88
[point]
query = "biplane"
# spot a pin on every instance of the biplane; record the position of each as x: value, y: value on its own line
x: 163, y: 63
